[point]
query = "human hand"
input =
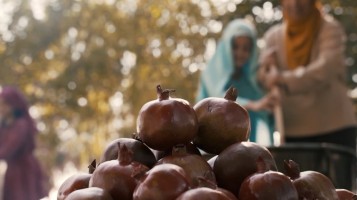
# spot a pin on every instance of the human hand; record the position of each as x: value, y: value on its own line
x: 273, y: 78
x: 267, y: 103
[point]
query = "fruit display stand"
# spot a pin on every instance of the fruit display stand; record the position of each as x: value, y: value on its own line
x: 337, y: 162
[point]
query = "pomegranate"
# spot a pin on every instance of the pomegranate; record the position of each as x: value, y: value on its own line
x: 75, y: 182
x: 142, y: 153
x: 162, y: 182
x: 238, y: 162
x: 310, y: 184
x: 203, y: 182
x: 195, y: 166
x: 346, y: 195
x: 118, y: 176
x: 92, y: 193
x: 222, y: 122
x: 166, y: 122
x: 267, y: 184
x: 204, y: 193
x: 191, y: 149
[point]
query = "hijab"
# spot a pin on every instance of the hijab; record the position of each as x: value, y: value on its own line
x: 300, y: 36
x: 220, y: 68
x: 14, y: 98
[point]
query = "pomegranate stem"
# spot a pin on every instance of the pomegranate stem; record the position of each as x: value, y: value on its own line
x: 292, y: 169
x: 163, y: 94
x: 231, y: 94
x: 125, y: 156
x: 92, y: 166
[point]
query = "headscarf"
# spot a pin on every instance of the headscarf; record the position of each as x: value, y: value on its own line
x: 14, y: 98
x: 220, y: 68
x: 300, y: 36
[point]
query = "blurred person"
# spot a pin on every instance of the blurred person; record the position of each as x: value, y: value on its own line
x: 23, y: 178
x: 308, y: 50
x: 235, y: 63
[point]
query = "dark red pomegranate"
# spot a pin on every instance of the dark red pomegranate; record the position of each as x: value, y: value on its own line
x: 346, y: 195
x: 310, y: 184
x: 162, y: 182
x: 203, y: 182
x: 238, y: 162
x: 204, y: 193
x: 222, y: 122
x: 118, y: 176
x: 166, y: 122
x: 75, y: 182
x: 142, y: 153
x: 195, y: 166
x: 267, y: 184
x: 92, y: 193
x: 191, y: 149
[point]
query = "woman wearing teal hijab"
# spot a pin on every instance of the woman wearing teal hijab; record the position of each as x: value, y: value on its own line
x: 235, y: 63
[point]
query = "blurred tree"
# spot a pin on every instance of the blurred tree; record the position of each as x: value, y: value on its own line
x: 89, y: 65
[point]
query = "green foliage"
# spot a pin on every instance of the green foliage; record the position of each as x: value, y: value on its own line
x: 88, y: 66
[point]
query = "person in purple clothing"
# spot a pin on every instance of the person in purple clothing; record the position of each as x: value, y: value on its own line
x: 24, y: 178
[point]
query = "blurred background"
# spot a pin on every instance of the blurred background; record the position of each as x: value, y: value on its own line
x: 87, y: 66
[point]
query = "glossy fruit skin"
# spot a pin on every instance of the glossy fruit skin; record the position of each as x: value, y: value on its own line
x: 195, y: 166
x: 346, y: 195
x: 191, y: 149
x: 310, y: 184
x: 92, y: 193
x: 163, y: 182
x: 205, y: 183
x: 314, y: 185
x: 162, y: 124
x: 268, y: 185
x: 73, y: 183
x: 204, y: 193
x: 238, y: 162
x: 229, y: 194
x: 142, y: 153
x: 117, y: 177
x: 220, y: 120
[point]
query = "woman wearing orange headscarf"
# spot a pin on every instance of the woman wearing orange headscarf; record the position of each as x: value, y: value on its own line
x: 308, y: 51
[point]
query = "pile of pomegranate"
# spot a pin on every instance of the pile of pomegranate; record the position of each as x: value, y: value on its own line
x: 163, y: 161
